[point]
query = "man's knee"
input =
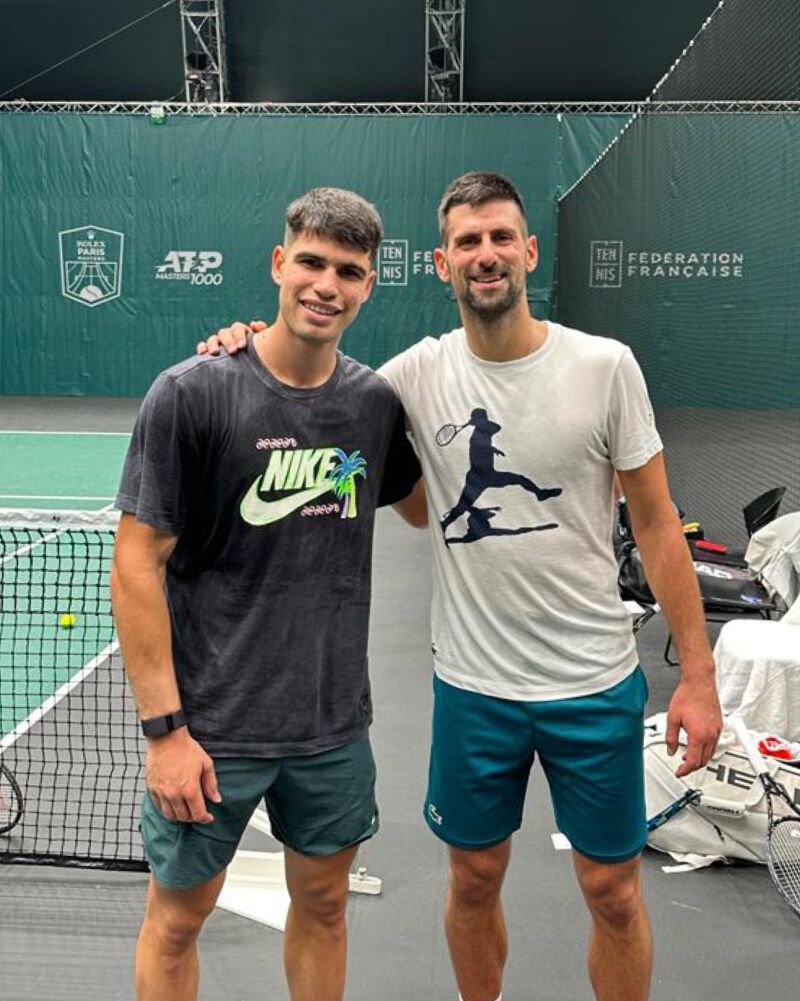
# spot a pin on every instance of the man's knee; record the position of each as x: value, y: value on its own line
x: 318, y: 887
x: 176, y: 917
x: 477, y: 876
x: 323, y: 903
x: 612, y: 891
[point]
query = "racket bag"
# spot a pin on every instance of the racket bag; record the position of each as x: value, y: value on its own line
x: 723, y: 589
x: 730, y: 820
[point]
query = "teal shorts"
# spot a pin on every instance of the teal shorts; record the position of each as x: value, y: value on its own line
x: 318, y: 804
x: 590, y: 748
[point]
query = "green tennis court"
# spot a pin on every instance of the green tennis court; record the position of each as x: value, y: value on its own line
x: 66, y: 723
x: 56, y: 613
x: 52, y: 571
x: 60, y: 469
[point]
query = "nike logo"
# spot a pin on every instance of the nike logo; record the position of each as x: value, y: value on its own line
x: 256, y: 511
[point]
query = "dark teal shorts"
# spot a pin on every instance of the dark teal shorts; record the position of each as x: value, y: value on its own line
x: 590, y: 748
x: 318, y: 804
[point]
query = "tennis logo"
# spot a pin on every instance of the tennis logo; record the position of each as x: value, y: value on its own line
x: 392, y: 263
x: 91, y: 264
x: 606, y: 264
x: 198, y: 267
x: 397, y: 262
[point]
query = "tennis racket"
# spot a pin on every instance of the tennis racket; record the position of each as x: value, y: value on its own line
x: 10, y: 800
x: 447, y: 432
x: 669, y: 811
x: 783, y: 832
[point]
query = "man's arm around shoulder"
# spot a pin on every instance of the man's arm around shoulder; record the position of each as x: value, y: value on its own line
x: 179, y: 772
x: 670, y: 573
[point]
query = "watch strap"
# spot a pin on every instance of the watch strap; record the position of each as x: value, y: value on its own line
x: 158, y: 726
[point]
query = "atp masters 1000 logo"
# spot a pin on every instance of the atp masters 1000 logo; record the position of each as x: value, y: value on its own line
x: 198, y: 267
x: 91, y: 264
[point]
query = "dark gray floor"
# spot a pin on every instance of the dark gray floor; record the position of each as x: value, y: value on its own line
x: 67, y: 413
x: 721, y: 934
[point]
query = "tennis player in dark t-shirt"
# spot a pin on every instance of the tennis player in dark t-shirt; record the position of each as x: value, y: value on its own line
x: 241, y: 589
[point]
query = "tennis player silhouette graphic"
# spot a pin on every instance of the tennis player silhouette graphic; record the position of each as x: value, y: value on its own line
x: 482, y: 475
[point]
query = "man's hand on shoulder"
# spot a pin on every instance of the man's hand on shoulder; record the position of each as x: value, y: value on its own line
x: 232, y: 338
x: 694, y: 706
x: 181, y: 777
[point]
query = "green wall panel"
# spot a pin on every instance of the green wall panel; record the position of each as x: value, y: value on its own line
x: 209, y: 186
x: 683, y: 242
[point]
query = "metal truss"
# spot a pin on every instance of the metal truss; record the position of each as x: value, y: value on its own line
x: 444, y: 50
x: 203, y: 36
x: 431, y: 108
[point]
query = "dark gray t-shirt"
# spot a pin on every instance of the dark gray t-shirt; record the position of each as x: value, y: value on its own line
x: 272, y: 493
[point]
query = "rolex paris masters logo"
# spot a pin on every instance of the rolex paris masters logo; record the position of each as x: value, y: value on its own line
x: 91, y: 264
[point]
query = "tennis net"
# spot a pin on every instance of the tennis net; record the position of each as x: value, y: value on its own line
x: 68, y: 730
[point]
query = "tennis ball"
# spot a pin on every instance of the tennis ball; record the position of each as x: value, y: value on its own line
x: 67, y: 620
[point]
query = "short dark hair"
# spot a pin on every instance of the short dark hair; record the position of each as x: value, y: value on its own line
x: 475, y: 188
x: 337, y: 214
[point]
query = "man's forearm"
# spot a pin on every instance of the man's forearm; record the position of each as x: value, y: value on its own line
x: 694, y: 706
x: 143, y: 626
x: 671, y: 576
x: 180, y: 775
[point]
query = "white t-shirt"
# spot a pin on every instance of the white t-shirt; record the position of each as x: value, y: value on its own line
x: 525, y: 598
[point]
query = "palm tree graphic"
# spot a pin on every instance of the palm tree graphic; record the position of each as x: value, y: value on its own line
x: 344, y: 479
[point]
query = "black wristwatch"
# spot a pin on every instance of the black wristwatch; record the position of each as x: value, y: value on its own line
x: 158, y: 726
